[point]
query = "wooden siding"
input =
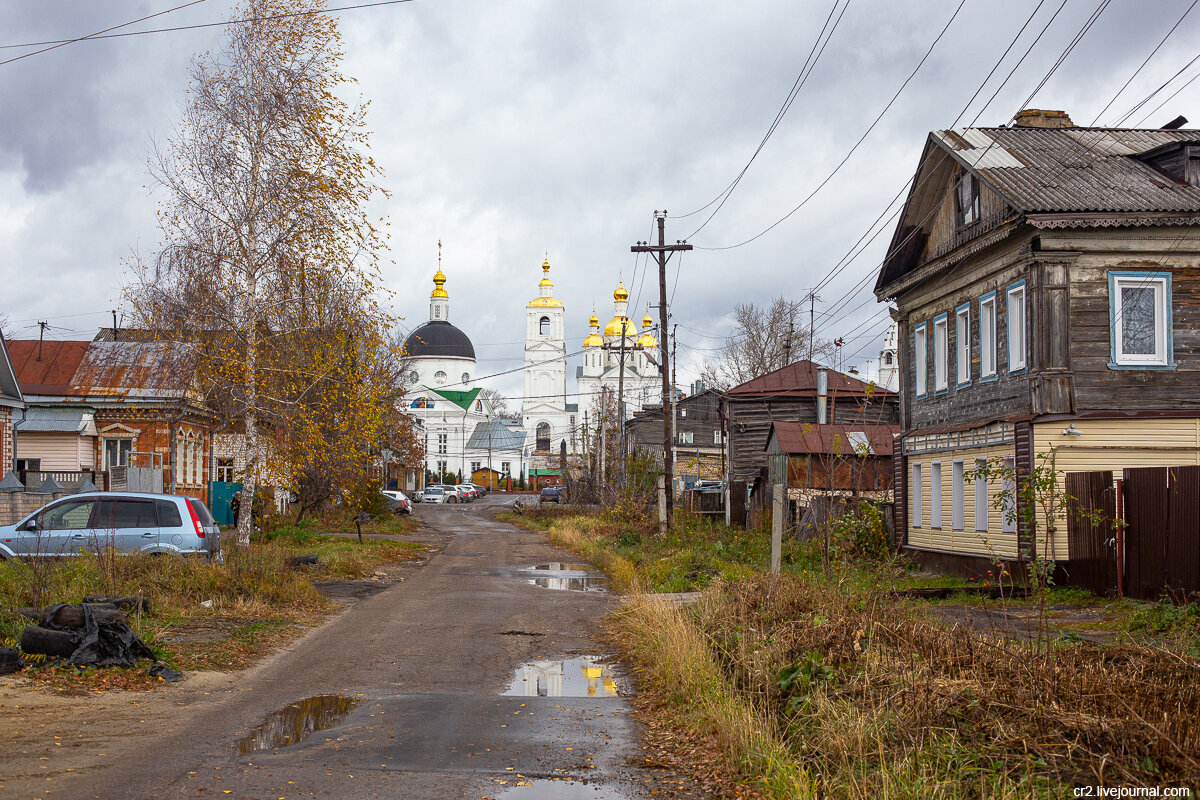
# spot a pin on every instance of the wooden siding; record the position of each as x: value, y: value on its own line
x: 944, y: 231
x: 58, y: 451
x: 988, y: 544
x: 849, y: 473
x: 750, y: 424
x: 1001, y: 396
x: 1114, y: 444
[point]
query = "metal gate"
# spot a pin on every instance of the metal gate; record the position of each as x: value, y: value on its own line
x: 220, y: 498
x: 1092, y: 547
x: 1162, y: 540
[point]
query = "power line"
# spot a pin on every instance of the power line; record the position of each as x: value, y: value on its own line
x: 857, y: 144
x: 103, y: 34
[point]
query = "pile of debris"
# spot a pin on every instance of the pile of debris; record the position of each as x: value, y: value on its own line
x: 92, y: 633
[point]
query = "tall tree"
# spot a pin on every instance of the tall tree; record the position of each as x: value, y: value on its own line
x: 764, y: 338
x: 268, y: 268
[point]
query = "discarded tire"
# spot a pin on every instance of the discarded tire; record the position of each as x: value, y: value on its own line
x: 44, y: 641
x: 71, y: 616
x: 10, y: 660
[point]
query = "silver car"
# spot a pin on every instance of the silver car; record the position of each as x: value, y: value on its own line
x: 433, y: 494
x: 128, y: 522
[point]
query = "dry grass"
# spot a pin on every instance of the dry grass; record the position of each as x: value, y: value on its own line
x: 820, y: 689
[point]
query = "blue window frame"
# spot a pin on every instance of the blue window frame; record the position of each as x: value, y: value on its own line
x: 962, y: 346
x: 920, y: 360
x: 1016, y: 325
x: 987, y: 338
x: 1139, y: 320
x: 941, y: 354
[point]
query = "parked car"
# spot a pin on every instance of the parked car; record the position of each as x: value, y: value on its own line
x: 455, y: 494
x: 397, y: 502
x: 481, y: 491
x: 434, y: 494
x: 551, y: 494
x: 417, y: 496
x: 128, y: 522
x: 471, y: 490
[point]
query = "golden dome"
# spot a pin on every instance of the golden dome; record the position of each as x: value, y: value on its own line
x: 617, y: 324
x: 646, y: 320
x: 620, y: 295
x: 647, y: 340
x: 546, y: 272
x: 593, y: 340
x: 592, y: 320
x: 545, y: 302
x: 439, y: 279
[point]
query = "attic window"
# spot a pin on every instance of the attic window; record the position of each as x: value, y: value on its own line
x: 966, y: 200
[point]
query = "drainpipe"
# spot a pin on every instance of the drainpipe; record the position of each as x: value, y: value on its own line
x: 822, y: 395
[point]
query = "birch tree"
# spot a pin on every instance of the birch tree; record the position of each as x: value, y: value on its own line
x: 764, y: 338
x: 268, y: 248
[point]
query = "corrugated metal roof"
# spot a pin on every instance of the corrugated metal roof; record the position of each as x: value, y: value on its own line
x: 800, y: 379
x: 802, y: 437
x: 57, y: 420
x: 503, y: 436
x: 133, y: 369
x: 1074, y: 169
x: 10, y: 388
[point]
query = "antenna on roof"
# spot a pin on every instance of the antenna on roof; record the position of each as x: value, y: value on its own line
x: 1178, y: 122
x: 41, y: 334
x: 114, y: 313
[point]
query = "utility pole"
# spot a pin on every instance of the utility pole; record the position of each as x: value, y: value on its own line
x: 662, y: 253
x: 621, y: 404
x: 674, y: 407
x: 812, y: 325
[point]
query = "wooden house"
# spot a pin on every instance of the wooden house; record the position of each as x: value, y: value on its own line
x: 1047, y: 285
x: 699, y: 436
x: 802, y: 392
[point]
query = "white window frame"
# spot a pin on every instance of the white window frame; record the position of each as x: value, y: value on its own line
x: 987, y: 337
x: 1160, y: 283
x: 918, y: 511
x: 962, y: 345
x: 686, y: 437
x: 941, y: 354
x: 1008, y: 488
x: 1017, y: 313
x: 935, y: 495
x: 920, y: 359
x: 956, y: 495
x: 981, y: 496
x: 717, y: 436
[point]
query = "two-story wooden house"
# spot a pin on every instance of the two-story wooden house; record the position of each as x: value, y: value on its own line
x: 699, y: 436
x: 1047, y: 284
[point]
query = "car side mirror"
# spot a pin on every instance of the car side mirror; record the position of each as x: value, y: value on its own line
x: 31, y: 525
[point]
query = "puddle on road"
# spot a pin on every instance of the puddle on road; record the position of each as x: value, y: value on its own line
x: 585, y: 676
x: 293, y: 724
x: 570, y: 577
x: 556, y: 790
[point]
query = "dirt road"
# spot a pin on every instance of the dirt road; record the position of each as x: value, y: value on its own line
x: 427, y: 664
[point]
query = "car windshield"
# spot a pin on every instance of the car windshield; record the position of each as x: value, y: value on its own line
x: 434, y: 491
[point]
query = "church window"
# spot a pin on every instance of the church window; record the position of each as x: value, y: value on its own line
x: 466, y: 378
x: 887, y: 358
x: 504, y: 467
x: 413, y: 377
x: 543, y: 436
x: 443, y: 441
x: 475, y: 466
x: 544, y: 326
x: 439, y: 377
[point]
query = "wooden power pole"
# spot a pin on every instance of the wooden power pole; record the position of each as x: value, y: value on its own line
x: 662, y: 253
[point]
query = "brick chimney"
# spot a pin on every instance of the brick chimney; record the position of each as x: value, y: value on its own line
x: 1037, y: 118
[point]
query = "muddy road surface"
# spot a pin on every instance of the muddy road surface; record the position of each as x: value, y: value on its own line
x: 477, y: 676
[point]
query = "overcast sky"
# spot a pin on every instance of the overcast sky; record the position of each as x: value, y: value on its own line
x: 508, y: 129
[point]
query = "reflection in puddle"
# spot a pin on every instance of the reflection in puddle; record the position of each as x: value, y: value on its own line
x: 292, y: 724
x: 557, y: 790
x: 570, y: 577
x: 573, y: 584
x: 585, y: 676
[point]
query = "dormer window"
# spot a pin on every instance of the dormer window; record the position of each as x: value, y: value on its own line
x: 966, y: 197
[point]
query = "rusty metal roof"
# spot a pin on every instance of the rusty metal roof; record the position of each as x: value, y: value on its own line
x: 800, y: 380
x: 1073, y: 169
x: 795, y: 438
x: 46, y: 367
x: 121, y: 370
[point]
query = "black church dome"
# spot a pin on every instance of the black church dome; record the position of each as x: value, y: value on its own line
x: 439, y: 338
